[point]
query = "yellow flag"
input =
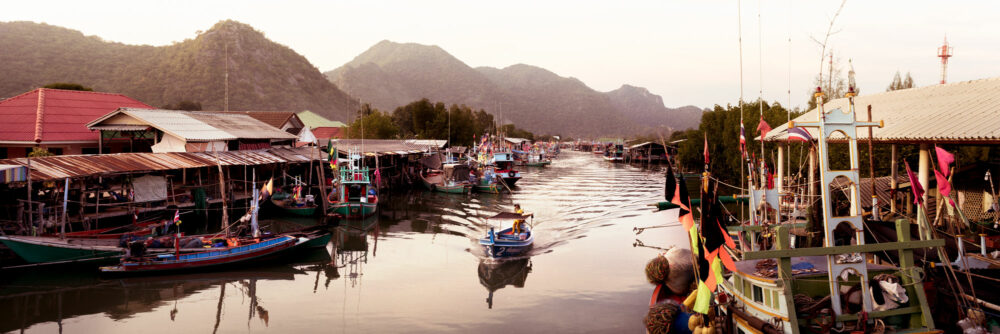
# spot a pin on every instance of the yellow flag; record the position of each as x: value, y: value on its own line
x: 704, y: 298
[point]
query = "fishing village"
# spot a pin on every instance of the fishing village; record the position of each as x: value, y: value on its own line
x: 158, y: 181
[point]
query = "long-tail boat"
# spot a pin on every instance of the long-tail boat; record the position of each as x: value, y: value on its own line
x: 506, y: 243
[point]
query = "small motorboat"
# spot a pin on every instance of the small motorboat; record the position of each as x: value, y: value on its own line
x: 506, y: 243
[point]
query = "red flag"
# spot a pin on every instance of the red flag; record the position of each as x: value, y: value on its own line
x: 944, y: 160
x: 763, y: 127
x: 706, y: 149
x: 918, y: 190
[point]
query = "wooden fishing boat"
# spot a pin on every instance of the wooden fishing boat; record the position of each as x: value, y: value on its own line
x: 454, y: 179
x: 615, y: 154
x: 488, y: 185
x: 293, y: 204
x: 506, y: 243
x: 503, y: 163
x: 35, y: 249
x: 355, y: 197
x: 537, y: 159
x: 243, y: 250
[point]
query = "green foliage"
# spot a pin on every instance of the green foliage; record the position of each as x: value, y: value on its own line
x: 68, y: 86
x: 184, y: 105
x: 900, y: 83
x: 722, y: 126
x: 373, y: 124
x: 39, y: 152
x: 425, y: 120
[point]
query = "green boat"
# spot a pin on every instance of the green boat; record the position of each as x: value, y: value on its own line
x: 488, y: 186
x: 287, y: 204
x: 52, y: 249
x: 354, y: 197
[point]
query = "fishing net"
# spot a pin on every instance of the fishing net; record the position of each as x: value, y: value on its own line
x: 661, y: 317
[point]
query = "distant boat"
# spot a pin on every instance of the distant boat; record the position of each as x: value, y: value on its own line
x: 293, y: 204
x: 355, y: 196
x: 505, y: 243
x: 504, y: 166
x: 615, y: 154
x: 454, y: 179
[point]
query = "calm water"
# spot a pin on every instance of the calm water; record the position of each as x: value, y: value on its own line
x: 414, y: 268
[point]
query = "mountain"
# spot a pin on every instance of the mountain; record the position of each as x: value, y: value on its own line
x: 263, y: 75
x: 389, y: 75
x: 644, y: 107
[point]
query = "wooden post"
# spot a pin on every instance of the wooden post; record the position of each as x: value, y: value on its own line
x: 322, y: 187
x: 62, y: 229
x: 812, y: 174
x: 909, y: 271
x: 785, y: 273
x: 31, y: 220
x: 222, y: 192
x: 893, y: 183
x: 923, y: 175
x: 83, y: 198
x: 871, y: 167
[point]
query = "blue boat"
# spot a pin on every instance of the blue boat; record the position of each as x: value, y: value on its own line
x: 505, y: 243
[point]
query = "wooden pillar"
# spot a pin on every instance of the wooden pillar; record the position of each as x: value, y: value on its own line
x: 893, y: 184
x: 31, y: 223
x: 100, y: 142
x: 923, y: 176
x: 322, y: 187
x: 909, y: 268
x: 812, y: 174
x: 781, y: 169
x: 62, y: 229
x: 785, y: 273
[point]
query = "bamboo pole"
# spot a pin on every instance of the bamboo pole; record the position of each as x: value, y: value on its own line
x: 62, y: 229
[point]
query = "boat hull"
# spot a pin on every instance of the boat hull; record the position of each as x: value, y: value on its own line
x: 453, y: 189
x: 498, y: 247
x: 227, y: 256
x: 491, y: 188
x: 510, y: 181
x: 39, y: 250
x: 305, y: 211
x: 353, y: 210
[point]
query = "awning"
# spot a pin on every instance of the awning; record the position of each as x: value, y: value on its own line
x: 13, y: 173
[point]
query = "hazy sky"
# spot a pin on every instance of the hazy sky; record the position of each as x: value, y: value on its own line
x: 685, y: 51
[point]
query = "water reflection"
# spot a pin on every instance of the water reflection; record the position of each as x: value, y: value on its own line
x: 495, y: 275
x: 28, y: 298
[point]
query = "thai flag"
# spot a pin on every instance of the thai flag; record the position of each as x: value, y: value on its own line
x: 799, y: 134
x: 177, y: 217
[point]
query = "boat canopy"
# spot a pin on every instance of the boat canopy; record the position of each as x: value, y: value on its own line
x: 509, y: 216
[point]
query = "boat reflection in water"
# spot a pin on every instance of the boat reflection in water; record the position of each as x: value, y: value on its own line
x: 30, y: 298
x: 351, y: 248
x: 495, y: 275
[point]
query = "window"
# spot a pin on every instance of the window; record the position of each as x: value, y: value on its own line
x: 767, y: 298
x: 3, y: 153
x: 758, y: 294
x: 775, y: 300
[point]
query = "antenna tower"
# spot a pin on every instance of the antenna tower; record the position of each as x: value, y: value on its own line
x: 945, y: 52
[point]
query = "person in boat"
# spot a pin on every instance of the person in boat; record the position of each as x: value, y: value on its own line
x: 518, y: 223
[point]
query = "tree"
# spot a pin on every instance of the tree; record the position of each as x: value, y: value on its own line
x: 899, y: 83
x: 722, y: 124
x: 68, y: 86
x: 833, y: 84
x: 376, y: 125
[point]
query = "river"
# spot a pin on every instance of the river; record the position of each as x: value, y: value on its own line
x: 414, y: 268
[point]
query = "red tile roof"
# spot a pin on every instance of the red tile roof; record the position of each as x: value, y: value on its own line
x: 55, y: 115
x: 328, y: 132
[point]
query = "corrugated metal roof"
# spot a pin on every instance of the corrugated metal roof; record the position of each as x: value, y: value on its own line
x: 390, y: 146
x: 74, y: 166
x: 314, y: 120
x: 273, y: 118
x: 57, y: 115
x: 199, y: 126
x: 961, y: 112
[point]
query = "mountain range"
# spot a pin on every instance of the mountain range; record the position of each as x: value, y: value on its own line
x: 264, y: 75
x: 391, y: 74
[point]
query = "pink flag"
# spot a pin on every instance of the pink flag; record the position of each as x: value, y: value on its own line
x: 944, y: 187
x: 763, y: 127
x: 944, y: 160
x: 918, y: 190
